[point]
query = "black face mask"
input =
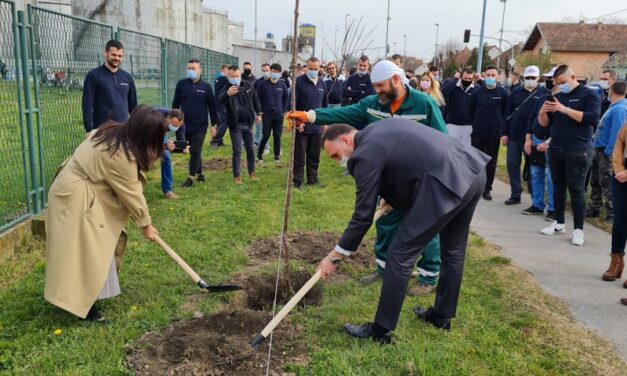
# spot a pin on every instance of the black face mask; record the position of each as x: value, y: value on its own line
x: 466, y: 83
x: 247, y: 71
x: 549, y: 84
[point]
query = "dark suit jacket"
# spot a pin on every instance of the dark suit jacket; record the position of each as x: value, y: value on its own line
x: 413, y: 167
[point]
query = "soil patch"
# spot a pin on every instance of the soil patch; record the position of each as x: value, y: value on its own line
x: 215, y: 345
x: 258, y: 293
x: 310, y: 247
x: 217, y: 164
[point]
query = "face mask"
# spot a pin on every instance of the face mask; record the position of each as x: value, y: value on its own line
x: 266, y: 75
x: 603, y: 84
x: 531, y: 84
x: 172, y: 128
x: 191, y: 74
x: 235, y: 81
x: 247, y: 71
x: 466, y: 83
x: 361, y: 73
x: 275, y: 76
x: 425, y: 85
x: 344, y: 161
x: 436, y: 77
x: 312, y: 74
x: 565, y: 88
x: 490, y: 82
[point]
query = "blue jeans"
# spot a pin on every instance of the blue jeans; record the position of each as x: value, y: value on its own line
x: 166, y: 172
x: 541, y: 179
x: 258, y: 132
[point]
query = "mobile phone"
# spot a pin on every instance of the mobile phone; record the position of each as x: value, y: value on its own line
x: 551, y: 98
x: 179, y: 146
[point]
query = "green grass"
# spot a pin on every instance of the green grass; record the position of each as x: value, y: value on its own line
x: 506, y: 325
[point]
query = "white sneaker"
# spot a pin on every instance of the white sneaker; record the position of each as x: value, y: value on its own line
x: 578, y: 237
x: 266, y: 151
x: 554, y: 228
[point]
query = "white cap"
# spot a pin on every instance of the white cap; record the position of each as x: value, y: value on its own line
x: 384, y: 70
x: 550, y: 73
x: 531, y: 71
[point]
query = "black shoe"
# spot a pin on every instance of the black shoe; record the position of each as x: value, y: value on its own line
x: 298, y: 185
x: 550, y: 216
x: 201, y: 178
x: 427, y: 315
x: 487, y: 196
x: 532, y: 210
x: 592, y: 213
x: 365, y: 331
x: 188, y: 182
x: 94, y: 316
x: 316, y: 184
x: 512, y: 201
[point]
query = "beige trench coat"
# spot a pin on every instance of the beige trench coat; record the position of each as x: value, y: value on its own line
x: 89, y: 203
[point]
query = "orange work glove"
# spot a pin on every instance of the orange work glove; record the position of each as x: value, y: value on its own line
x: 300, y: 116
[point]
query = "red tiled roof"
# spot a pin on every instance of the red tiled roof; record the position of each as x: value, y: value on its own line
x: 579, y: 37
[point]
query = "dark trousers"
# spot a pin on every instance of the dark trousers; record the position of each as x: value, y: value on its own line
x: 242, y: 134
x: 221, y: 131
x: 601, y: 177
x: 491, y: 148
x: 568, y: 171
x: 307, y: 151
x: 515, y: 153
x: 195, y: 140
x: 408, y: 245
x: 272, y: 124
x: 619, y: 227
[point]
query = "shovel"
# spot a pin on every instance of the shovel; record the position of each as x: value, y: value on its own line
x: 195, y: 277
x: 300, y: 294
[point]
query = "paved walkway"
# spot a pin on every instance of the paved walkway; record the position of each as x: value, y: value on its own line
x: 565, y: 271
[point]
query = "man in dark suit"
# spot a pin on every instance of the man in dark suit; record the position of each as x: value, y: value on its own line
x: 436, y: 181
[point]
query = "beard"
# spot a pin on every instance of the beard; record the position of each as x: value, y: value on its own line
x: 388, y: 97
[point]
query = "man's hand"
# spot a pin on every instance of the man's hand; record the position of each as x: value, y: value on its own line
x: 170, y: 145
x: 186, y: 150
x: 233, y: 90
x: 299, y: 116
x: 327, y: 267
x: 527, y: 147
x: 542, y: 147
x: 213, y: 131
x: 558, y: 107
x: 548, y: 106
x: 258, y: 119
x: 621, y: 176
x: 300, y: 128
x: 150, y: 232
x: 504, y: 140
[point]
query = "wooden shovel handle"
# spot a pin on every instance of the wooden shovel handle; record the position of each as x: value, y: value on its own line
x: 177, y: 259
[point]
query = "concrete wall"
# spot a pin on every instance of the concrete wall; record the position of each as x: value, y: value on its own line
x: 235, y: 35
x: 585, y: 64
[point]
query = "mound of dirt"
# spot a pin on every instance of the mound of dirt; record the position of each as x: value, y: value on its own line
x: 215, y: 345
x: 217, y: 164
x: 310, y: 247
x: 258, y: 293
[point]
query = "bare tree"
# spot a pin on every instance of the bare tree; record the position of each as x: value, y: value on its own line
x: 357, y: 37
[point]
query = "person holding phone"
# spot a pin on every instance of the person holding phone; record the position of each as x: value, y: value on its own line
x: 174, y: 119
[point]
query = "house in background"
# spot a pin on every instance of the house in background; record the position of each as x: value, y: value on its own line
x: 584, y: 47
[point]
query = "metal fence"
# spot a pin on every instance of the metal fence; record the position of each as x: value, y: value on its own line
x: 44, y: 58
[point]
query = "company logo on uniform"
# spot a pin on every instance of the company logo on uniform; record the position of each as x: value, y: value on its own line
x: 200, y: 91
x: 123, y: 83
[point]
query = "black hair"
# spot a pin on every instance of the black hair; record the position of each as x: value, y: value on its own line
x: 336, y: 130
x: 265, y: 65
x: 233, y: 68
x: 193, y: 61
x: 247, y: 63
x: 560, y: 70
x: 611, y: 72
x: 619, y: 88
x: 276, y: 67
x: 313, y: 59
x: 397, y: 57
x: 468, y: 71
x: 115, y: 44
x: 491, y: 67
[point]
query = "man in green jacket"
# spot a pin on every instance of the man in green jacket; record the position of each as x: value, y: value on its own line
x: 392, y: 99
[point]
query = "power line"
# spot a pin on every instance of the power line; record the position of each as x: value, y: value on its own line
x: 607, y: 15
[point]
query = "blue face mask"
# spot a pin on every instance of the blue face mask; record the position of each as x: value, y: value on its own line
x: 172, y: 128
x: 312, y: 74
x: 490, y: 82
x: 235, y: 81
x: 191, y: 74
x: 565, y: 88
x: 275, y: 76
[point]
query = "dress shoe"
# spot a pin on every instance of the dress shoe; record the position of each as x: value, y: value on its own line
x: 615, y: 270
x: 365, y: 331
x: 487, y: 196
x: 512, y: 201
x: 188, y: 182
x: 315, y: 184
x: 252, y: 176
x: 427, y: 315
x: 201, y: 178
x: 94, y: 316
x: 238, y: 181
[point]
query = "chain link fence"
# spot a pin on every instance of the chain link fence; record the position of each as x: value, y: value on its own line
x: 44, y: 58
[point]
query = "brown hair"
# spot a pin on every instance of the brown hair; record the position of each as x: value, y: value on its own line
x: 141, y: 136
x: 176, y: 114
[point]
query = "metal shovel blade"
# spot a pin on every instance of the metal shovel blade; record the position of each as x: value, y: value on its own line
x: 224, y: 288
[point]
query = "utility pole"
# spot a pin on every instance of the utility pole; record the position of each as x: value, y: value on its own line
x: 387, y: 31
x: 404, y: 50
x: 480, y: 52
x: 498, y: 59
x: 185, y: 10
x: 435, y: 51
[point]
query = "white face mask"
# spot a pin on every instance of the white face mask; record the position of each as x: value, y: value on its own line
x: 603, y: 84
x: 344, y: 161
x: 531, y: 84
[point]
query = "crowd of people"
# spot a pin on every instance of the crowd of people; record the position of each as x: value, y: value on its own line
x: 561, y: 136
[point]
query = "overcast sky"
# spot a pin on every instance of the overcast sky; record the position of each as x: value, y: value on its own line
x: 415, y: 18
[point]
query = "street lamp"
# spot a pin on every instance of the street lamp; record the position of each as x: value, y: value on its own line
x: 481, y: 34
x: 404, y: 49
x: 498, y: 59
x: 387, y: 30
x: 435, y: 51
x: 345, y: 33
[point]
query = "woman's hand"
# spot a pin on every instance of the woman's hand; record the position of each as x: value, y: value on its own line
x: 150, y: 232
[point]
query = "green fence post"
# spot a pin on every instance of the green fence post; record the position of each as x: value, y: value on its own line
x: 28, y: 112
x: 164, y: 74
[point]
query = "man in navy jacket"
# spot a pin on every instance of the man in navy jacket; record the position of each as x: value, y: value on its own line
x: 109, y: 91
x: 311, y: 93
x: 274, y: 99
x: 487, y: 109
x: 358, y: 85
x: 519, y: 114
x: 220, y: 82
x: 334, y: 83
x: 195, y: 98
x: 457, y: 98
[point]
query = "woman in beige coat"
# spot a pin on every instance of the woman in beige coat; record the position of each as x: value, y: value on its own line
x: 90, y: 201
